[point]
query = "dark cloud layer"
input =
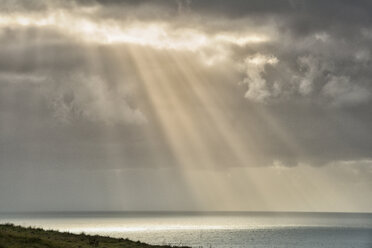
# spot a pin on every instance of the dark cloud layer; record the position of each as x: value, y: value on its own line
x: 127, y: 89
x: 316, y: 88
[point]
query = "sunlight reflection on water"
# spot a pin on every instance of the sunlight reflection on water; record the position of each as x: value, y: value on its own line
x: 224, y: 230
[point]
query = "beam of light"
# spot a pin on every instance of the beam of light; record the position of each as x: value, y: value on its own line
x: 187, y: 129
x: 171, y: 92
x: 175, y: 119
x: 168, y: 110
x: 174, y: 97
x: 215, y: 112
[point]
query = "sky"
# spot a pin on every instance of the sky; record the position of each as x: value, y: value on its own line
x: 186, y: 105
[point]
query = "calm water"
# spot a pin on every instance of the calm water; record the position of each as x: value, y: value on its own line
x: 215, y: 229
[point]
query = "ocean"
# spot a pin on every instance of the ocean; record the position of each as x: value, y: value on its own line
x: 211, y: 229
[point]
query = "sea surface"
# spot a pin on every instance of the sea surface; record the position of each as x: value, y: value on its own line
x: 227, y: 229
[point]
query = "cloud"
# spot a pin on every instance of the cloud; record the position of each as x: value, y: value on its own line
x: 343, y: 92
x: 121, y: 91
x: 254, y: 66
x: 286, y: 74
x: 311, y: 67
x: 91, y: 98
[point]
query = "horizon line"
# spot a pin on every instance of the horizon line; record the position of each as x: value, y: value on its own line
x: 177, y: 212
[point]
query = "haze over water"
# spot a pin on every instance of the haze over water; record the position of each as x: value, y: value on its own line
x: 211, y: 229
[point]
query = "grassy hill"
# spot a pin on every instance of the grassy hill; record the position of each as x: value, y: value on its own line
x: 12, y: 236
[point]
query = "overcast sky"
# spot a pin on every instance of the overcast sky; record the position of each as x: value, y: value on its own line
x: 186, y: 105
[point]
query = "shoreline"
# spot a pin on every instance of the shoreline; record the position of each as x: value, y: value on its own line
x: 14, y: 236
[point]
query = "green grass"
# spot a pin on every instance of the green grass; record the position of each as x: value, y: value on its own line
x: 12, y: 236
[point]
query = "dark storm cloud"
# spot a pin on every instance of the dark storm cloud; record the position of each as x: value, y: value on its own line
x: 314, y: 83
x: 113, y: 105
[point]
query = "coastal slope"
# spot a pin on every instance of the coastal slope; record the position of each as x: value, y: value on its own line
x: 12, y: 236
